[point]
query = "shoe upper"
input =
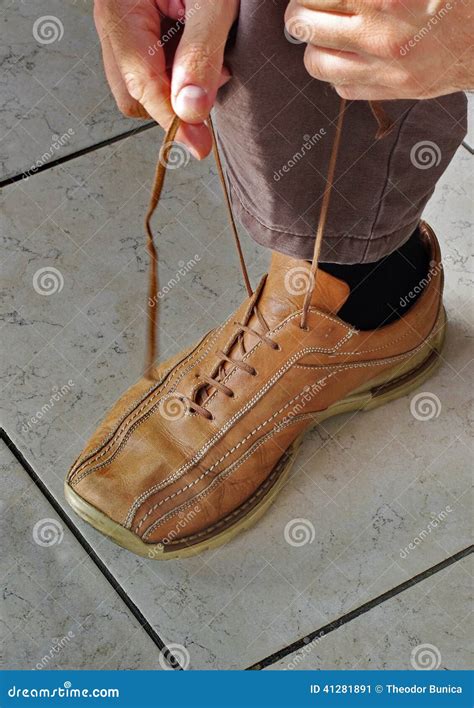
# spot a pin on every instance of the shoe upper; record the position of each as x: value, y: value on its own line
x: 178, y: 456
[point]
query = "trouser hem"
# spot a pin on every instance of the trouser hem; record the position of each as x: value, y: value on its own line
x: 341, y: 247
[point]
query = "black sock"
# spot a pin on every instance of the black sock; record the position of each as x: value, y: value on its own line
x: 383, y: 291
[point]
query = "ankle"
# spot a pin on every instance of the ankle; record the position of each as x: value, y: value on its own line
x: 383, y: 291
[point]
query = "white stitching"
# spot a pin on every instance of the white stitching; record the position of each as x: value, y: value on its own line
x: 216, y: 437
x: 337, y: 367
x: 229, y: 452
x: 125, y: 424
x: 350, y: 331
x: 224, y: 473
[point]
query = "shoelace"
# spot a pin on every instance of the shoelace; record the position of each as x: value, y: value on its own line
x: 213, y: 381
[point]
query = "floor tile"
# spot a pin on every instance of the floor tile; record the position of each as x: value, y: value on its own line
x: 58, y: 611
x: 470, y: 125
x: 369, y: 485
x: 428, y: 626
x: 55, y: 99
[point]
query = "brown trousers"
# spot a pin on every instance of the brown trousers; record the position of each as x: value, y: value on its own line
x: 276, y: 127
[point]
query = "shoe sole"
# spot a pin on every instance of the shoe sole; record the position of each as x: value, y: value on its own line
x: 401, y: 380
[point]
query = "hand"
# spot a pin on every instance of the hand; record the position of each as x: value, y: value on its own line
x: 387, y: 49
x: 166, y: 57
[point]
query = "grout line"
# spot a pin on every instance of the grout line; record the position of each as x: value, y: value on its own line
x: 154, y: 636
x: 468, y: 147
x: 79, y: 153
x: 363, y: 609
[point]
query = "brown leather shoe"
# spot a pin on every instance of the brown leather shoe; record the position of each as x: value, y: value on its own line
x: 185, y: 463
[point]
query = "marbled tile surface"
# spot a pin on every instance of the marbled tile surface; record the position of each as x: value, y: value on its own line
x: 470, y: 124
x: 55, y: 99
x: 58, y: 611
x: 369, y: 484
x: 429, y: 625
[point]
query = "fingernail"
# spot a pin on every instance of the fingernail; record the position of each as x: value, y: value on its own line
x: 191, y: 100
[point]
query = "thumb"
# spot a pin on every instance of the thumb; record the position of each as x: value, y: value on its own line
x: 198, y: 63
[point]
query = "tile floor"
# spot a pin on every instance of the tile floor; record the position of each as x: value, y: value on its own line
x: 369, y: 484
x: 55, y: 99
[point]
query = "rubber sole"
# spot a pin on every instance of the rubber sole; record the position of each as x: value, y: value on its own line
x: 400, y: 381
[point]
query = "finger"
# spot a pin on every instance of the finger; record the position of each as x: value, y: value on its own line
x: 175, y: 9
x: 195, y: 137
x: 126, y: 104
x: 376, y: 92
x: 132, y: 30
x: 340, y: 68
x: 325, y: 29
x: 370, y: 32
x: 198, y: 64
x: 337, y: 6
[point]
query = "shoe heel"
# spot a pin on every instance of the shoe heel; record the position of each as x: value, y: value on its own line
x: 413, y: 373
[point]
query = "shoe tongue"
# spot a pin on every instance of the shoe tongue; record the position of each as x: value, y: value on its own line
x: 285, y: 289
x: 283, y: 292
x: 286, y: 286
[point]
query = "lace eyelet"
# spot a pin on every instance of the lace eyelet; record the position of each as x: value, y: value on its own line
x: 305, y: 328
x: 253, y: 372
